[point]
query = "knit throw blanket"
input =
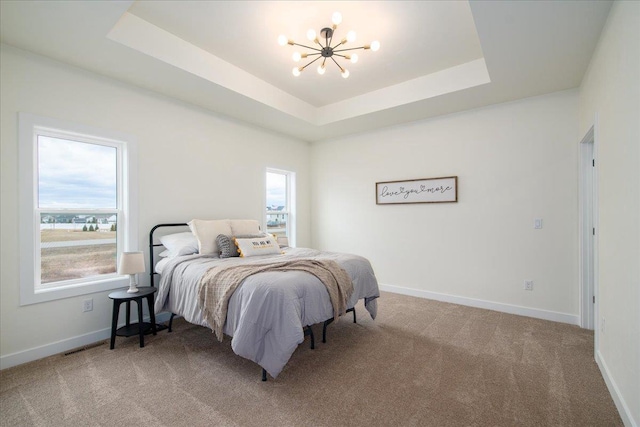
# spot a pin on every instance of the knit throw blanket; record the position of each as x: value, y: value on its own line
x: 218, y: 284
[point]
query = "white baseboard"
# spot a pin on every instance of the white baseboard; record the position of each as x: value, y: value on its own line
x: 489, y: 305
x: 619, y: 401
x: 61, y: 346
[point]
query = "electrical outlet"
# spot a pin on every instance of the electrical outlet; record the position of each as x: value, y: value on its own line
x: 87, y: 305
x: 528, y: 285
x: 537, y: 223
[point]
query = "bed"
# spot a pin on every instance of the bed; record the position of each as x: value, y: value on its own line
x: 270, y: 313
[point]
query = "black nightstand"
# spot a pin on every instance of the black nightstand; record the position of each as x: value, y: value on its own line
x: 129, y: 329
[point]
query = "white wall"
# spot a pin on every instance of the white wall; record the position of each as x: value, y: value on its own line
x: 515, y: 162
x: 611, y: 91
x: 192, y: 163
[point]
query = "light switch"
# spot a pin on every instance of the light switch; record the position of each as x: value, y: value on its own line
x: 537, y: 223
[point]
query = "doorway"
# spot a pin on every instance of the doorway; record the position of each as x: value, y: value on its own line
x: 588, y: 232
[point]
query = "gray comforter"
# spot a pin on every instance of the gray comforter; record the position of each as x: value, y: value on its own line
x: 267, y: 313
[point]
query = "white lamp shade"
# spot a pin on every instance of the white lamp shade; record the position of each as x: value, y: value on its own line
x: 131, y: 263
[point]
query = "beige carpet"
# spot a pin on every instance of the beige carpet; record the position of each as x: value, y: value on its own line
x: 421, y: 363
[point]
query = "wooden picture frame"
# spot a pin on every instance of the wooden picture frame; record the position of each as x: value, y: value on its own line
x: 426, y: 190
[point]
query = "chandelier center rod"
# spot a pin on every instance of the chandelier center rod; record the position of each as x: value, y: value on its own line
x: 326, y: 33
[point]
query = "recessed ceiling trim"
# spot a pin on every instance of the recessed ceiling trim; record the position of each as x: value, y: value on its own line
x: 144, y: 37
x: 464, y: 76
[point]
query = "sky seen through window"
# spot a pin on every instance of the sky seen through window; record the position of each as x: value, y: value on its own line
x: 76, y: 175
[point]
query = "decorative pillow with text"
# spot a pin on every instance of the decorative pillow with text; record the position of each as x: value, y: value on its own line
x: 257, y: 246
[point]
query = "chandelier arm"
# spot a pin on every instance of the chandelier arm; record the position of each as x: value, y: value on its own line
x: 341, y: 69
x: 344, y: 50
x: 311, y: 62
x: 308, y: 47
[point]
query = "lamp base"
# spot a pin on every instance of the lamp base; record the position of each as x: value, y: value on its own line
x: 132, y: 284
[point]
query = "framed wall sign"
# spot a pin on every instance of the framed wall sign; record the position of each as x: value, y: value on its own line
x: 428, y: 190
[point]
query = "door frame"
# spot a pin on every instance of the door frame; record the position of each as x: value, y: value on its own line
x: 588, y: 231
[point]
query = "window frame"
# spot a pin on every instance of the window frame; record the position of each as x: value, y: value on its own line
x: 29, y: 127
x: 290, y: 195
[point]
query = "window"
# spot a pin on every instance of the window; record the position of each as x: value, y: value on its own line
x: 280, y: 204
x: 76, y: 210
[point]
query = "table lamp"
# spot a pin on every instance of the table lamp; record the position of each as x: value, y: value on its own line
x: 131, y: 263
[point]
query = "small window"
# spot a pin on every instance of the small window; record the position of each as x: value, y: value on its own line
x: 77, y: 214
x: 280, y: 196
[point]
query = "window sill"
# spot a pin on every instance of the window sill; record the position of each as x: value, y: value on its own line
x: 34, y: 297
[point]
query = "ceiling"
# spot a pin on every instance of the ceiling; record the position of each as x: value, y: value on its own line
x: 436, y: 57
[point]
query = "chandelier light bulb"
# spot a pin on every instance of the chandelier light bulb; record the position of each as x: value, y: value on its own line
x: 282, y: 40
x: 296, y: 56
x: 345, y: 73
x: 354, y: 58
x: 296, y: 71
x: 336, y: 18
x: 351, y: 36
x: 321, y: 69
x: 311, y: 34
x: 375, y: 45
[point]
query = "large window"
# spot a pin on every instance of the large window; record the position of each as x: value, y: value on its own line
x: 76, y: 210
x: 280, y: 204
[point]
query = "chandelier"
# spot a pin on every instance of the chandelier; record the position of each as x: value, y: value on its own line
x: 325, y: 51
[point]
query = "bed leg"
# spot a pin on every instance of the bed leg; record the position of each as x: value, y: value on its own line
x: 313, y: 340
x: 354, y: 314
x: 329, y: 321
x: 324, y: 329
x: 324, y: 332
x: 171, y: 321
x: 264, y: 374
x: 308, y: 331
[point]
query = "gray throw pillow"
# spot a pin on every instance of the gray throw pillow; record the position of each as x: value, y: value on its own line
x: 226, y: 246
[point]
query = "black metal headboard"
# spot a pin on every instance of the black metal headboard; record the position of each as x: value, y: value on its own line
x: 154, y: 245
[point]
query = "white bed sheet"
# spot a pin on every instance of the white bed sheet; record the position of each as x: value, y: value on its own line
x: 161, y: 264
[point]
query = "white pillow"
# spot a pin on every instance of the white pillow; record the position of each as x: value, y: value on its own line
x: 179, y: 244
x: 206, y: 232
x: 257, y: 246
x: 244, y: 227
